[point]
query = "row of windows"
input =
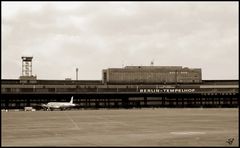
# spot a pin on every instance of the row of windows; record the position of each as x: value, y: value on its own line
x: 132, y: 103
x: 208, y: 91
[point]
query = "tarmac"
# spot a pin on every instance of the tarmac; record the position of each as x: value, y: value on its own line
x: 122, y: 127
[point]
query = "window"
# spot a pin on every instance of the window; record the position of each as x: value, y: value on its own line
x: 105, y: 76
x: 184, y: 72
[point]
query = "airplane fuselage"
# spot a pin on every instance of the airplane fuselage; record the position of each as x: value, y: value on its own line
x: 59, y: 105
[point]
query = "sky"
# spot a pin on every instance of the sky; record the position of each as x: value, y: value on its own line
x: 91, y: 36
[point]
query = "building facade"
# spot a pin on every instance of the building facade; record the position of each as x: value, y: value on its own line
x: 152, y: 74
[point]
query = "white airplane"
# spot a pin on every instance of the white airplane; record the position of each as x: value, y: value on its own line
x: 58, y: 105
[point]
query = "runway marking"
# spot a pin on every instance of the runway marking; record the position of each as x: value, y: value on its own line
x: 188, y: 133
x: 107, y: 120
x: 74, y: 123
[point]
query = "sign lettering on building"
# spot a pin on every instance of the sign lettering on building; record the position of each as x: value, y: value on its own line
x: 166, y: 90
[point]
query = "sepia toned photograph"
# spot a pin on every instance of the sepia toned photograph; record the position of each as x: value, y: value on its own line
x: 119, y: 74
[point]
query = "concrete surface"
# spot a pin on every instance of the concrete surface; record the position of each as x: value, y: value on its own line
x: 133, y: 127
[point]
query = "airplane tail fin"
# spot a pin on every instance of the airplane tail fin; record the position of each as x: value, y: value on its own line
x: 71, y: 100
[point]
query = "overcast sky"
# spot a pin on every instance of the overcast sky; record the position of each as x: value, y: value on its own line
x: 91, y: 36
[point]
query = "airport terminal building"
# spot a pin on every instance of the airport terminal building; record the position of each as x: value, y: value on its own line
x: 128, y: 87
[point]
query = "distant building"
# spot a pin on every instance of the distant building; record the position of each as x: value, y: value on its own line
x: 152, y: 74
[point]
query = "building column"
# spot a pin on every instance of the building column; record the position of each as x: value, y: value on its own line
x: 145, y: 101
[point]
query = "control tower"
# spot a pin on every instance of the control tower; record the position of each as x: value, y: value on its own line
x: 27, y: 66
x: 27, y: 70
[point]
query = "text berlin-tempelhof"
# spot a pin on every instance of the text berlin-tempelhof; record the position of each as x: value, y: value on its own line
x: 153, y: 90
